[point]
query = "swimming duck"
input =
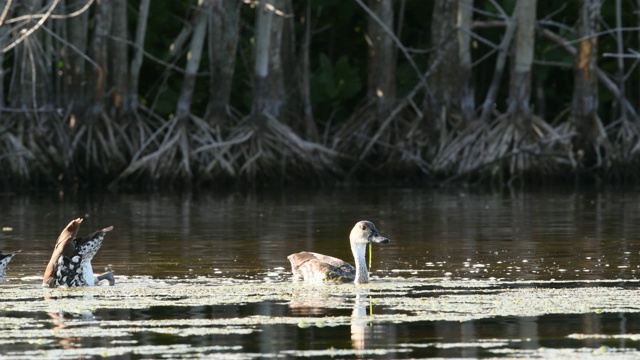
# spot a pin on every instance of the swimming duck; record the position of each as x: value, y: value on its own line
x: 4, y: 261
x: 70, y: 264
x: 312, y: 267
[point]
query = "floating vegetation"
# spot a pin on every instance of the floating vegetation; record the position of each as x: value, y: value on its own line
x: 191, y: 317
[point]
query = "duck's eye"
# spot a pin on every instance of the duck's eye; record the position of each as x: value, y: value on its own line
x: 363, y: 227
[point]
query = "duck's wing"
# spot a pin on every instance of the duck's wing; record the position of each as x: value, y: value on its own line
x: 88, y: 246
x: 76, y: 270
x: 314, y: 267
x: 64, y: 247
x: 4, y: 261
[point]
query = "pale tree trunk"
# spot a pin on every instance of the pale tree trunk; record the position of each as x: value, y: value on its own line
x: 56, y: 91
x: 6, y: 10
x: 96, y: 133
x: 171, y: 159
x: 102, y: 30
x: 29, y: 70
x: 501, y: 60
x: 76, y: 64
x: 584, y: 105
x: 310, y: 128
x: 381, y: 57
x: 119, y: 58
x: 269, y: 90
x: 444, y: 82
x: 183, y: 110
x: 637, y: 12
x: 466, y: 96
x: 29, y: 81
x: 620, y: 75
x: 520, y: 83
x: 138, y: 53
x: 289, y: 61
x: 627, y: 112
x: 519, y: 120
x: 224, y: 33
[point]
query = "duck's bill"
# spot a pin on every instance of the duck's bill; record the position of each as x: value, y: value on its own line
x: 379, y: 239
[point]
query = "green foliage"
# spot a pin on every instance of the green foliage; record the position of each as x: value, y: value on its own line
x: 334, y: 83
x: 337, y: 11
x: 166, y: 101
x: 505, y: 5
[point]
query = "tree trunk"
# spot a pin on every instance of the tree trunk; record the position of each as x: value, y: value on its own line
x: 637, y: 13
x: 381, y: 57
x: 5, y: 13
x: 310, y: 128
x: 136, y: 62
x: 620, y: 75
x: 183, y: 110
x: 99, y: 52
x: 444, y: 82
x: 29, y: 70
x: 268, y: 91
x: 503, y: 50
x: 75, y: 64
x: 119, y: 58
x: 584, y: 105
x: 224, y: 33
x: 465, y: 92
x: 520, y: 85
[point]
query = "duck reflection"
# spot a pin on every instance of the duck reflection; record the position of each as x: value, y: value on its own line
x: 361, y: 324
x: 64, y: 322
x: 362, y: 327
x: 60, y: 325
x: 306, y: 302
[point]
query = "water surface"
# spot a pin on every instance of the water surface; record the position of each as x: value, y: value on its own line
x: 454, y: 255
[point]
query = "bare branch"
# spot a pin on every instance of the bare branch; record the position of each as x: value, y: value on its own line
x: 26, y: 33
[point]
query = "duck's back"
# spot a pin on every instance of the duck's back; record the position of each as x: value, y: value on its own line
x: 4, y: 261
x: 318, y: 268
x: 76, y: 269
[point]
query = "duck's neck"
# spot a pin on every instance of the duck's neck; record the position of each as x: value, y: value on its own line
x: 362, y: 273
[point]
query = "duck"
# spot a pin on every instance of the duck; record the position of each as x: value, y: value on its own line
x: 4, y: 261
x: 314, y: 268
x: 70, y: 263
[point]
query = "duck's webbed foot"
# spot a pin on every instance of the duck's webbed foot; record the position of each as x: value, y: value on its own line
x: 106, y: 276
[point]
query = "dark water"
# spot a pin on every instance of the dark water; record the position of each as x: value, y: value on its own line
x: 451, y: 234
x: 533, y: 235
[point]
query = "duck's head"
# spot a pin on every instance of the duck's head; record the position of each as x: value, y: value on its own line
x: 365, y: 232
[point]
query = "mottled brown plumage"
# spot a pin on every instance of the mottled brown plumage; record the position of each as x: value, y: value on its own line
x: 317, y: 268
x: 70, y: 263
x: 307, y: 265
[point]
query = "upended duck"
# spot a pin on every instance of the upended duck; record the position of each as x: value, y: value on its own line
x: 4, y: 261
x: 316, y: 268
x: 70, y: 263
